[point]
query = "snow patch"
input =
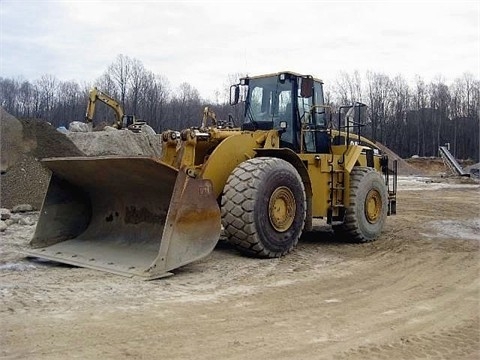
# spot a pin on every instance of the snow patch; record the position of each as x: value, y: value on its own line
x: 458, y: 229
x: 417, y: 183
x: 16, y: 267
x: 333, y: 301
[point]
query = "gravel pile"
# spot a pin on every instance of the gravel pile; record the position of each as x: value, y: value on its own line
x: 403, y: 167
x: 24, y: 179
x: 117, y: 142
x: 24, y: 142
x: 473, y: 170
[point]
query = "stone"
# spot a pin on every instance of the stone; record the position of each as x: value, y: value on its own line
x: 15, y: 218
x: 3, y: 226
x: 148, y: 130
x: 26, y: 221
x: 5, y: 214
x: 62, y: 129
x: 22, y: 208
x: 77, y: 126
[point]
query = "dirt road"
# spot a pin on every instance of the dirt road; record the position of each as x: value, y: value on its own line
x: 414, y: 293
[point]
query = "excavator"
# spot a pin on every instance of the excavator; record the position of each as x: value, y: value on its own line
x: 122, y: 121
x: 291, y: 161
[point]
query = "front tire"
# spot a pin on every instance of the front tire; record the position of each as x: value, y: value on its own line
x: 264, y: 207
x: 366, y: 214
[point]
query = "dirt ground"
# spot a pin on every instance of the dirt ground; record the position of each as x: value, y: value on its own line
x: 412, y: 294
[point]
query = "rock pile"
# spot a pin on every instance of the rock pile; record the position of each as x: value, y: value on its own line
x: 24, y: 142
x: 117, y: 142
x: 20, y: 214
x: 473, y: 170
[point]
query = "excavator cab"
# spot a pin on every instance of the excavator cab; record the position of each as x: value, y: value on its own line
x: 127, y: 120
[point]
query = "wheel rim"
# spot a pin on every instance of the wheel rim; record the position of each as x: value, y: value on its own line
x: 281, y: 209
x: 373, y: 206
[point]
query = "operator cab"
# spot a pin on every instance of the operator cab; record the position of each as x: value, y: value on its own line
x: 288, y: 102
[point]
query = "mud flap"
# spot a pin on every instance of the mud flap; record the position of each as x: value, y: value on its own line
x: 133, y: 216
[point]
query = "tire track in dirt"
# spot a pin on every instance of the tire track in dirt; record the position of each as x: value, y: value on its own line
x: 408, y: 295
x: 459, y: 342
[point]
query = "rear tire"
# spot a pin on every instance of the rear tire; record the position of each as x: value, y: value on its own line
x: 263, y: 207
x: 365, y: 216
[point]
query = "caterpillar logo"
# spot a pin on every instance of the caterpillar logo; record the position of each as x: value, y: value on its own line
x: 205, y: 190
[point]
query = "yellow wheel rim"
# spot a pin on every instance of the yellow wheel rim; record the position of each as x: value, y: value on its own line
x: 373, y: 206
x: 281, y: 209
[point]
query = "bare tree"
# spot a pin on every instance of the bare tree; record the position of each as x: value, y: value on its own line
x: 120, y: 72
x: 47, y: 89
x: 397, y: 113
x: 26, y: 94
x: 156, y: 94
x: 69, y: 106
x: 420, y: 100
x: 348, y: 88
x: 136, y: 79
x: 8, y: 92
x: 439, y: 100
x: 185, y: 107
x: 378, y: 88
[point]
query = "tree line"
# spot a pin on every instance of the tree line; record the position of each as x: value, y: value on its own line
x: 410, y: 119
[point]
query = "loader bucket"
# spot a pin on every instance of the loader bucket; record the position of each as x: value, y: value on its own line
x: 133, y: 216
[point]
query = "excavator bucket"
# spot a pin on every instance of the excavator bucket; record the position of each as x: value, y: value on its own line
x: 133, y: 216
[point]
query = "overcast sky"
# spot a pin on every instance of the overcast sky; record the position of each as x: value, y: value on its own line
x: 201, y: 42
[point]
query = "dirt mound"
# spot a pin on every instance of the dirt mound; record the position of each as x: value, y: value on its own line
x: 12, y: 142
x: 24, y: 143
x: 436, y: 165
x: 429, y: 165
x: 47, y: 141
x: 403, y: 167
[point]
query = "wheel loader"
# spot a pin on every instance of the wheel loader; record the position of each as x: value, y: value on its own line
x: 291, y: 161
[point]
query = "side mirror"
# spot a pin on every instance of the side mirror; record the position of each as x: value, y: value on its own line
x: 306, y: 89
x: 234, y: 94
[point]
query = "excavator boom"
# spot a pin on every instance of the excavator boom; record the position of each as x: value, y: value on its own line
x: 97, y: 95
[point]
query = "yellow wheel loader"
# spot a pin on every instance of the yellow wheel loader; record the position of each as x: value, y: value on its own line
x: 291, y: 161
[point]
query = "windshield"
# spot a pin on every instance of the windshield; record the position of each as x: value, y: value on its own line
x: 268, y: 99
x: 271, y: 101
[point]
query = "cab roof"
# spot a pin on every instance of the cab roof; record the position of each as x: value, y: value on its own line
x: 278, y: 74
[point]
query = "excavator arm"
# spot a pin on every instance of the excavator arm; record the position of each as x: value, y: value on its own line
x: 95, y: 95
